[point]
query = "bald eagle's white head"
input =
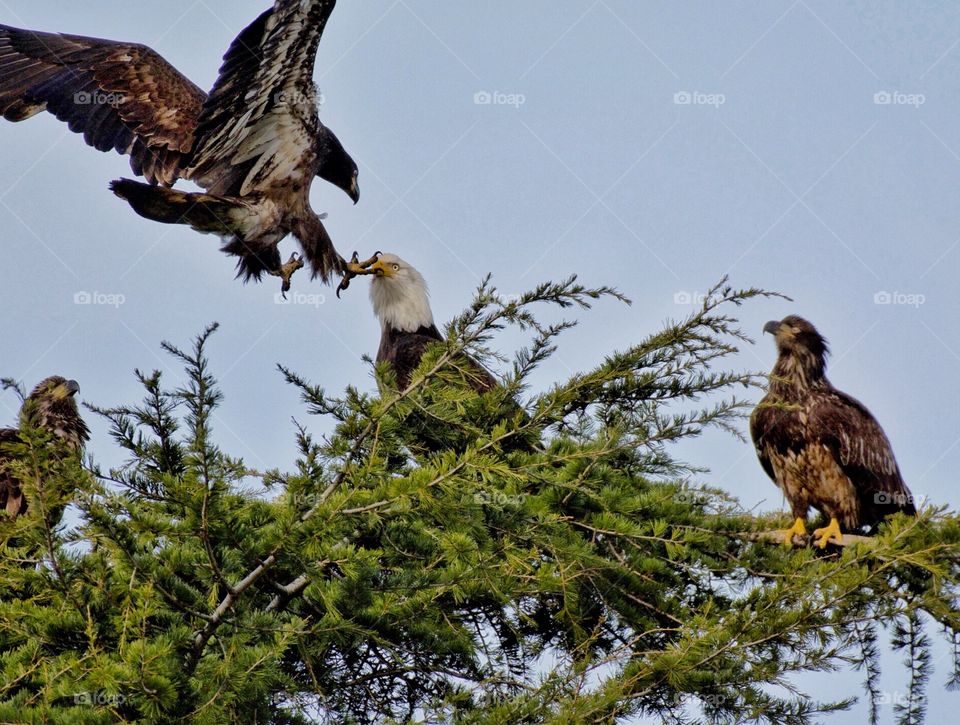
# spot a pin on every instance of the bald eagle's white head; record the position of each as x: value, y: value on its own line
x: 399, y: 295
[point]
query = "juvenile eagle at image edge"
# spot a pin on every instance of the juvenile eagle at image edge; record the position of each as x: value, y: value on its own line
x: 254, y: 143
x: 820, y: 446
x: 52, y: 407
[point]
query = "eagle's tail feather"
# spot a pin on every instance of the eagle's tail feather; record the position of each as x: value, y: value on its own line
x: 205, y: 213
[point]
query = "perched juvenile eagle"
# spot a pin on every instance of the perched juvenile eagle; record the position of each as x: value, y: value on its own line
x: 820, y: 446
x: 51, y: 407
x: 402, y: 304
x: 254, y: 143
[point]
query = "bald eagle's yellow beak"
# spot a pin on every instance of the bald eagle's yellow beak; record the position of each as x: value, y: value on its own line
x: 380, y: 269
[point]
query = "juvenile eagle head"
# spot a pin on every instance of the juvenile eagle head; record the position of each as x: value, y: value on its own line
x: 399, y: 295
x: 802, y: 351
x: 336, y: 165
x: 51, y: 406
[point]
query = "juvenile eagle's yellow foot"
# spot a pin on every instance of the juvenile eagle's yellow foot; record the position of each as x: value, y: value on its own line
x: 831, y: 532
x: 355, y: 268
x: 799, y: 528
x: 286, y: 272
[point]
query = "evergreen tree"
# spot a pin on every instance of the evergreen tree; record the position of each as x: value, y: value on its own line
x: 546, y: 562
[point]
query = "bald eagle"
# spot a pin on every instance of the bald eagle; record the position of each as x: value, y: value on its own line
x: 50, y: 407
x: 254, y: 143
x: 398, y: 293
x: 820, y: 446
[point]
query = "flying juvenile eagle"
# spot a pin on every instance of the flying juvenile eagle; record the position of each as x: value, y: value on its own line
x: 401, y: 302
x: 51, y: 407
x: 254, y: 143
x: 820, y: 446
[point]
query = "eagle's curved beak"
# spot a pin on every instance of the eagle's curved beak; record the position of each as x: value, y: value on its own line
x: 378, y: 268
x: 354, y: 191
x: 772, y: 327
x: 72, y: 386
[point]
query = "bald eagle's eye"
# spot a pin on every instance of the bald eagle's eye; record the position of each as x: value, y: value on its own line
x: 396, y: 267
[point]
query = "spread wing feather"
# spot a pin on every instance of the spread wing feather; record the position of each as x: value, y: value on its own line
x: 260, y: 119
x: 121, y: 96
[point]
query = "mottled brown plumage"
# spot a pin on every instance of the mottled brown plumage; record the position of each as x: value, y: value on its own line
x: 255, y: 143
x: 820, y: 446
x: 50, y: 407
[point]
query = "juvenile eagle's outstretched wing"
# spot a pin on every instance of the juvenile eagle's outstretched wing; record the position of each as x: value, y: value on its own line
x: 121, y: 96
x: 260, y: 120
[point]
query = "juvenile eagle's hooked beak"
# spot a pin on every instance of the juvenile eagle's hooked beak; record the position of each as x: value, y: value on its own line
x: 354, y: 191
x: 66, y: 390
x: 773, y: 327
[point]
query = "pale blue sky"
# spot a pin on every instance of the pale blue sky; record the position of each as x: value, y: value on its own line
x: 786, y: 170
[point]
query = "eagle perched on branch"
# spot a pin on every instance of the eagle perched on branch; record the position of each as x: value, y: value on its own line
x: 398, y: 293
x: 820, y: 446
x: 50, y: 407
x: 254, y: 143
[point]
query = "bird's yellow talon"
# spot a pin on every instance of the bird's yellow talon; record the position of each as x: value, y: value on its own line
x: 356, y: 268
x: 830, y: 532
x: 799, y: 528
x: 286, y: 272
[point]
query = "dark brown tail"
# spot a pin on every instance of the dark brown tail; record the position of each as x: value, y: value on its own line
x: 202, y: 212
x: 205, y: 213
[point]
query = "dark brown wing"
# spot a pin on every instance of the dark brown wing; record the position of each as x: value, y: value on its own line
x: 12, y: 500
x: 120, y: 96
x: 259, y: 124
x: 762, y: 420
x: 863, y: 452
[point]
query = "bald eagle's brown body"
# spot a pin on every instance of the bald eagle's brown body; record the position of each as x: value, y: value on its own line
x: 822, y: 447
x: 50, y: 406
